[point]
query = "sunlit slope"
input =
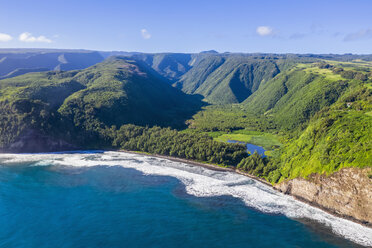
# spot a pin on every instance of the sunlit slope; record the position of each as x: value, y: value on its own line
x: 224, y: 79
x: 324, y: 108
x: 294, y: 96
x: 336, y: 137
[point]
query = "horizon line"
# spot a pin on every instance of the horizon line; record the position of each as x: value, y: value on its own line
x: 204, y: 51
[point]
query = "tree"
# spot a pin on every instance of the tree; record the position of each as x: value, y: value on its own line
x: 361, y: 76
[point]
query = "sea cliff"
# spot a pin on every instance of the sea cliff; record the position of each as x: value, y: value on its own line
x: 347, y: 193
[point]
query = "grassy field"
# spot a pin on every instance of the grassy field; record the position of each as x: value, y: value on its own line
x: 327, y: 73
x: 266, y: 140
x: 227, y: 118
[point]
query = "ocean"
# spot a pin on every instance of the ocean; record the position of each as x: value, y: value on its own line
x: 115, y: 199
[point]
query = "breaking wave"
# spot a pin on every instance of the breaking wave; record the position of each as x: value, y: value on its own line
x: 202, y: 182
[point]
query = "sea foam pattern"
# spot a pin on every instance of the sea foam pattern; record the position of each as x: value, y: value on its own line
x: 200, y: 181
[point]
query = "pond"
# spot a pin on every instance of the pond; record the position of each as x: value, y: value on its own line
x: 251, y: 148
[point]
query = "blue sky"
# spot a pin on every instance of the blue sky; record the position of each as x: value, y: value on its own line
x: 327, y: 26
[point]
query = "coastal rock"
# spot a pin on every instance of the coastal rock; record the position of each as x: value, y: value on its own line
x: 347, y: 193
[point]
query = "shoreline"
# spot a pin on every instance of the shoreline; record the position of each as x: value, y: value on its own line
x: 205, y: 165
x: 229, y: 169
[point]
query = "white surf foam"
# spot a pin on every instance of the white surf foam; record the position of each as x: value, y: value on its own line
x: 200, y: 181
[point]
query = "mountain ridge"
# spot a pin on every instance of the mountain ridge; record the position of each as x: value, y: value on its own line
x: 88, y: 98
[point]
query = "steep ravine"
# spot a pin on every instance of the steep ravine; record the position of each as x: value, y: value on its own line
x: 347, y: 193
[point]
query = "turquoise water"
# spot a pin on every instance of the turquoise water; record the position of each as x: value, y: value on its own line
x: 100, y: 200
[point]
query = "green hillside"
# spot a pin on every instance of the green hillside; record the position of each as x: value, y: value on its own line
x: 114, y: 92
x: 190, y: 82
x: 224, y: 79
x: 296, y: 95
x: 336, y: 137
x: 320, y: 112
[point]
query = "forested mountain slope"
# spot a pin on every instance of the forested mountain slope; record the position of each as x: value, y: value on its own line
x: 321, y: 111
x: 324, y: 108
x: 73, y: 105
x: 294, y: 96
x: 221, y: 78
x: 231, y: 78
x: 335, y: 110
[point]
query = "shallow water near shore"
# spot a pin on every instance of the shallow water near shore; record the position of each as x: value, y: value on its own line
x: 114, y: 199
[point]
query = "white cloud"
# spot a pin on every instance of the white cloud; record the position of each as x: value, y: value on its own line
x: 145, y: 34
x: 264, y: 31
x: 27, y: 37
x: 5, y: 37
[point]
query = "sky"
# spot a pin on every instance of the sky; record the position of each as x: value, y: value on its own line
x: 270, y: 26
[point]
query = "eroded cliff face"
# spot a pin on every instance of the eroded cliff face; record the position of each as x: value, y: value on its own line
x: 347, y: 193
x: 34, y: 141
